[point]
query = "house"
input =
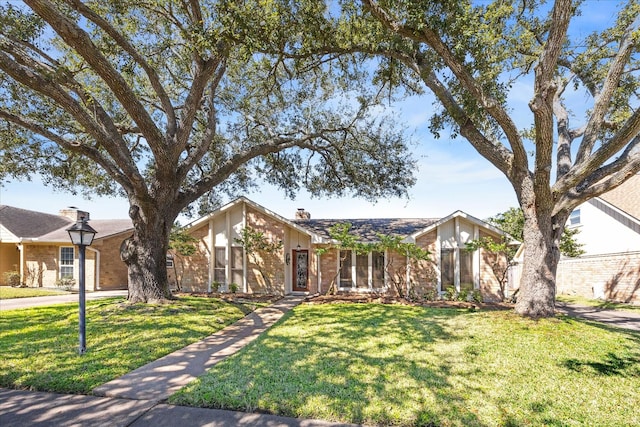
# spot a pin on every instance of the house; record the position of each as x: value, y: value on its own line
x: 307, y: 261
x: 610, y: 233
x: 37, y: 246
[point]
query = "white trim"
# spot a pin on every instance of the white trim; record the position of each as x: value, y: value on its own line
x: 96, y: 283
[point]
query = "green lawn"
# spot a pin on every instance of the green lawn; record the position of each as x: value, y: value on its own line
x: 406, y: 366
x: 598, y: 303
x: 38, y: 346
x: 7, y: 292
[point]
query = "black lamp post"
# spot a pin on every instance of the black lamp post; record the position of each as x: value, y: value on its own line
x: 81, y: 235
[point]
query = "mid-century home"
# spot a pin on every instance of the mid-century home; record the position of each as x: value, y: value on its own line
x: 309, y: 261
x: 36, y: 246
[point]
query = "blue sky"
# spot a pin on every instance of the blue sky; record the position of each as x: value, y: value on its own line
x: 451, y: 176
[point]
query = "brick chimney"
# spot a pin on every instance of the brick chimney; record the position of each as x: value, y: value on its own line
x: 74, y: 213
x: 302, y: 214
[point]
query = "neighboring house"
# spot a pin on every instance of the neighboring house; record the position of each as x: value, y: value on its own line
x: 610, y: 234
x: 299, y: 268
x: 38, y: 247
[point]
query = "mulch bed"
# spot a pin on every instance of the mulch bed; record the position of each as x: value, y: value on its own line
x: 233, y: 297
x: 387, y: 299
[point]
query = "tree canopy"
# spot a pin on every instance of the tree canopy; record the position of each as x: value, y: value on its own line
x: 172, y: 102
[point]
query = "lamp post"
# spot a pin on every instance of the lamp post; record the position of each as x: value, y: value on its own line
x: 81, y: 235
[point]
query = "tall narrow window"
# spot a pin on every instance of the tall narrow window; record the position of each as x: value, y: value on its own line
x: 237, y: 265
x: 66, y: 262
x: 447, y: 268
x: 362, y: 271
x: 466, y: 270
x: 345, y: 270
x: 219, y: 267
x: 377, y: 267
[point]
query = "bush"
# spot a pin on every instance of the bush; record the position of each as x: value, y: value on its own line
x: 216, y: 286
x: 12, y: 278
x: 233, y: 288
x: 476, y: 296
x: 450, y: 294
x: 66, y: 283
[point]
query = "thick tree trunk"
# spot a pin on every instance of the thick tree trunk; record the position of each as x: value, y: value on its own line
x: 537, y: 293
x: 145, y: 254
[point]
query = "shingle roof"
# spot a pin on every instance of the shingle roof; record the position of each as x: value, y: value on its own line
x: 626, y: 197
x: 368, y: 229
x: 28, y: 224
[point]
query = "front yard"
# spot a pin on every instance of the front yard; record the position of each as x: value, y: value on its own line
x: 38, y: 346
x: 400, y: 365
x: 8, y: 292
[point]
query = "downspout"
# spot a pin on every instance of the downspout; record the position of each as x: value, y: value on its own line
x: 21, y: 248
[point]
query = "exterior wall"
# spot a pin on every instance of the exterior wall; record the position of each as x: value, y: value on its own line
x: 9, y: 259
x: 265, y: 273
x: 193, y: 271
x: 490, y: 265
x: 41, y: 266
x: 328, y: 269
x: 113, y: 272
x: 423, y: 275
x: 614, y: 277
x: 598, y: 223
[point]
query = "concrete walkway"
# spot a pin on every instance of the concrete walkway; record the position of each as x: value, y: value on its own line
x: 619, y: 318
x: 15, y: 303
x: 158, y: 380
x: 134, y: 400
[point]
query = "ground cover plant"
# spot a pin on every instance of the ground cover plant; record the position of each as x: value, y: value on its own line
x: 7, y: 292
x: 405, y: 365
x: 608, y: 305
x: 38, y: 346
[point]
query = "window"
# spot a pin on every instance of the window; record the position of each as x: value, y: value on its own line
x: 219, y: 266
x: 67, y: 256
x: 237, y: 265
x: 345, y: 271
x: 365, y: 271
x: 574, y: 218
x: 447, y: 272
x: 466, y: 270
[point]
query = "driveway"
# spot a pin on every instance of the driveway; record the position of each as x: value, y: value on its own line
x: 14, y: 303
x: 618, y: 318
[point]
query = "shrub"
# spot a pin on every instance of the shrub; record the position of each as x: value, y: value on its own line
x: 66, y: 283
x: 233, y: 288
x: 216, y: 286
x: 476, y: 295
x: 450, y: 294
x: 12, y: 278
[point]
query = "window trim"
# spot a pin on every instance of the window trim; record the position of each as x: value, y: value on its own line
x: 353, y: 272
x: 72, y: 266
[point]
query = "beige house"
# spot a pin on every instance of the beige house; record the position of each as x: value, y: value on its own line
x: 36, y: 245
x: 298, y: 267
x: 610, y: 234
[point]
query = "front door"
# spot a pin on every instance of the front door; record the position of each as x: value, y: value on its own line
x: 300, y: 270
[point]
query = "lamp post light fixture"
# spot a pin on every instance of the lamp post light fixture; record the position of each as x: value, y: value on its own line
x: 81, y: 235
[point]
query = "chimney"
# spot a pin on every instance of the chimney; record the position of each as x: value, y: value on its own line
x: 302, y: 214
x: 74, y: 214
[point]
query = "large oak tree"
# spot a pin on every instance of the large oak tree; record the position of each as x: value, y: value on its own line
x: 171, y: 102
x: 472, y: 56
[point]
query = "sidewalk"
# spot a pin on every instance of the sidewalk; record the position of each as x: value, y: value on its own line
x: 15, y: 303
x: 134, y: 400
x: 621, y: 319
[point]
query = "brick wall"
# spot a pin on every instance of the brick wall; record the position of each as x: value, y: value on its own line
x: 113, y: 271
x: 614, y: 277
x: 193, y: 270
x: 265, y: 271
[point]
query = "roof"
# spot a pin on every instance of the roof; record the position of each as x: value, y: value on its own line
x: 43, y: 227
x: 367, y: 230
x: 626, y: 197
x: 29, y: 224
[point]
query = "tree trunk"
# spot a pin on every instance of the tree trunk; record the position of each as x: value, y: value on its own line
x: 145, y: 254
x: 541, y: 255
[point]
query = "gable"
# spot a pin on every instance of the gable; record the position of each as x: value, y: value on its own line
x: 626, y: 197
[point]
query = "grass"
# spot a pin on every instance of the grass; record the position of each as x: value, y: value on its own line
x: 572, y: 299
x: 38, y: 346
x: 415, y: 366
x: 7, y: 292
